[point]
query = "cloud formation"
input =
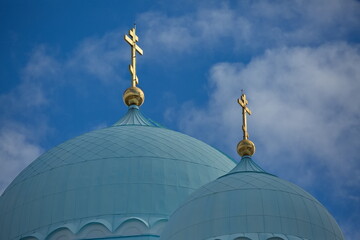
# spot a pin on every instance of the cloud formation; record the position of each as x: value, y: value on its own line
x: 17, y: 150
x: 24, y: 123
x: 99, y: 57
x: 306, y: 112
x: 251, y: 25
x: 304, y: 103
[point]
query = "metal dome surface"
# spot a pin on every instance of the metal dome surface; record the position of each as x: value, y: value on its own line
x: 248, y: 203
x: 124, y: 180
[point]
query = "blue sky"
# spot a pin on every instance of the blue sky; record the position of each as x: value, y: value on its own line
x: 64, y: 66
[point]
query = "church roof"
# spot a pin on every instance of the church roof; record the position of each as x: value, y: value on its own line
x: 135, y: 117
x: 124, y: 180
x: 248, y: 203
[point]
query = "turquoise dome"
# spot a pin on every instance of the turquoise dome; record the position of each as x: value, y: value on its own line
x: 250, y: 204
x: 118, y: 182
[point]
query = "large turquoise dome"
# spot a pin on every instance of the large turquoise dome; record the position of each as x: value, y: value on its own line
x: 119, y: 182
x: 250, y: 204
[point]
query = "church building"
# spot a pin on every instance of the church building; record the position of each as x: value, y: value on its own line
x: 138, y: 180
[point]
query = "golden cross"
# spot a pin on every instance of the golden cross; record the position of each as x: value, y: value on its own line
x: 134, y: 48
x: 243, y: 102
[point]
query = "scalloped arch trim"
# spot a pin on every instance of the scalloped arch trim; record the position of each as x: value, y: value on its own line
x: 100, y: 228
x: 257, y: 236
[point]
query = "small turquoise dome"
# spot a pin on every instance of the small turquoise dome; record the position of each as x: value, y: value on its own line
x: 118, y: 182
x: 250, y: 204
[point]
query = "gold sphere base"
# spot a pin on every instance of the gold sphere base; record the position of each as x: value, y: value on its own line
x: 246, y: 147
x: 133, y: 96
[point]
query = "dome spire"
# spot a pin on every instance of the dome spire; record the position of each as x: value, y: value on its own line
x: 245, y: 147
x: 133, y: 95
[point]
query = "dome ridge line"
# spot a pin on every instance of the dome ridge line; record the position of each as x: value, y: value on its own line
x: 232, y: 173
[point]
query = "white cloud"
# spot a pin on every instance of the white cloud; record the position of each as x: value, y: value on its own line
x: 17, y: 150
x: 305, y: 122
x: 166, y: 33
x: 94, y: 59
x: 29, y: 94
x: 251, y: 26
x: 100, y: 57
x: 305, y: 105
x: 41, y: 65
x: 22, y: 110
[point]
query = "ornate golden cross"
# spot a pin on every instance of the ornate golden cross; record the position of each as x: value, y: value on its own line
x: 243, y: 102
x: 134, y: 48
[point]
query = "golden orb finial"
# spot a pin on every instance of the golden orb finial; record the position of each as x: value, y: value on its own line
x: 133, y: 95
x: 245, y: 146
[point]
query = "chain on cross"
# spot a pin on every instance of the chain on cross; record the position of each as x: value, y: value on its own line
x: 134, y: 48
